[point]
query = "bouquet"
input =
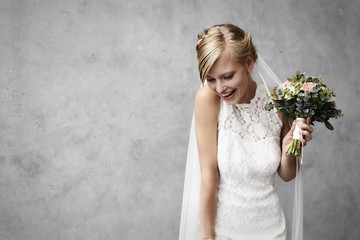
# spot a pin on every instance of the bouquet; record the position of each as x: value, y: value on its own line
x: 301, y: 97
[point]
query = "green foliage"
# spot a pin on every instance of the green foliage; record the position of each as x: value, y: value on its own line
x: 302, y: 97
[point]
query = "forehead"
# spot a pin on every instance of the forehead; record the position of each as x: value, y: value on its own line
x: 226, y: 63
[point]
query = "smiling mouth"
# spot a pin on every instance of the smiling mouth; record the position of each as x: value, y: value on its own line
x: 228, y: 95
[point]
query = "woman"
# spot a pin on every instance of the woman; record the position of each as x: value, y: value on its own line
x: 240, y: 145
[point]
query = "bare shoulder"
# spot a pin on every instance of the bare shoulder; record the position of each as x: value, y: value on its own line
x: 207, y: 102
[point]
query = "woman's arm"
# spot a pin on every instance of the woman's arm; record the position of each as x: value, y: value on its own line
x: 207, y: 107
x: 287, y: 168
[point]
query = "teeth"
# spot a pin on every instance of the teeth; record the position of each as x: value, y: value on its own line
x: 226, y: 95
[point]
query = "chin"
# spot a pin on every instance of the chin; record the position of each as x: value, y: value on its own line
x: 233, y: 100
x: 230, y: 102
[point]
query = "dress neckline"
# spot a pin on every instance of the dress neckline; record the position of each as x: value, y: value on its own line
x: 252, y: 101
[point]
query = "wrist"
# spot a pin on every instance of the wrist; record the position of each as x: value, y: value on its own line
x: 286, y: 157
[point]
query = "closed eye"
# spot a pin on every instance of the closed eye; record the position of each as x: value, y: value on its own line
x: 210, y: 79
x: 228, y: 77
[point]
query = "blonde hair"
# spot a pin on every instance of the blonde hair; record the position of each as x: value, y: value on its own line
x: 213, y: 41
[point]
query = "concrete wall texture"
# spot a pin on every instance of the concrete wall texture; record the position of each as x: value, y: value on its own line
x: 96, y: 99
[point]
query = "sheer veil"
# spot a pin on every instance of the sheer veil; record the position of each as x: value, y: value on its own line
x: 189, y: 223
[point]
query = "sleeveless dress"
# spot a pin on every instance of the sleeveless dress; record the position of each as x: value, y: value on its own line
x: 248, y: 157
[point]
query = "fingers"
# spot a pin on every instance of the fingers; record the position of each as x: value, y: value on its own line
x: 305, y: 137
x: 307, y: 127
x: 308, y: 120
x: 306, y: 131
x: 293, y: 127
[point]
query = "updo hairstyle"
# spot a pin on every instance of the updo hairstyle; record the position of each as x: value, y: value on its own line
x: 212, y: 43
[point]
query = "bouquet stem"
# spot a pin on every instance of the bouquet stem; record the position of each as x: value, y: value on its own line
x: 296, y: 146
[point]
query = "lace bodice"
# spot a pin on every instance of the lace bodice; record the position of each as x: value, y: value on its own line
x: 248, y: 157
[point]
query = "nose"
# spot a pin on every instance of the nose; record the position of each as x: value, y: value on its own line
x: 219, y: 86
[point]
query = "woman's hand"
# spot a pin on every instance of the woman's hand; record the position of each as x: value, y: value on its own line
x: 287, y: 168
x: 305, y: 134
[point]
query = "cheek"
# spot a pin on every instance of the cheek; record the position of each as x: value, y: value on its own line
x: 241, y: 81
x: 212, y: 86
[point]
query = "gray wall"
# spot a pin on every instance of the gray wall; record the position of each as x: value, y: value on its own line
x: 96, y: 99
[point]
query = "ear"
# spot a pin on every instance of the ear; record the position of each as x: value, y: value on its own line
x: 250, y: 61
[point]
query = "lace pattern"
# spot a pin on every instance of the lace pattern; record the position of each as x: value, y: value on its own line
x: 248, y: 157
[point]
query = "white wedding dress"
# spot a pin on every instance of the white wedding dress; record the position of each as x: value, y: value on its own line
x: 248, y: 157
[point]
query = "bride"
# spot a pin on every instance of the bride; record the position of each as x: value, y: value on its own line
x: 229, y: 189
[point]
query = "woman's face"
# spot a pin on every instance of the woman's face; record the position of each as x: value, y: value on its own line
x: 230, y: 79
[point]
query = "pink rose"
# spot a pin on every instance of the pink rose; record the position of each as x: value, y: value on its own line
x: 284, y: 85
x: 307, y: 87
x: 333, y: 104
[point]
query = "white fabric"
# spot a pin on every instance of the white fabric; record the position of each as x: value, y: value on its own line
x: 248, y: 157
x: 189, y: 224
x: 298, y: 206
x: 297, y: 131
x: 297, y: 134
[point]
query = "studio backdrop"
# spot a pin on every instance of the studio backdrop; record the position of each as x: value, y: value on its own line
x: 96, y: 99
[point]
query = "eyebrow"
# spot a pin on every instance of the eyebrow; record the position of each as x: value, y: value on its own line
x: 226, y: 73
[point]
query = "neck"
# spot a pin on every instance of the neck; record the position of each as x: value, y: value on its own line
x: 250, y: 92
